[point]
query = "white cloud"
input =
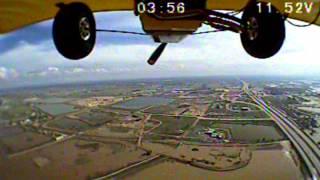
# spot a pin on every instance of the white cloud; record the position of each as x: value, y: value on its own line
x: 101, y: 70
x: 3, y: 73
x: 53, y: 69
x: 78, y: 70
x: 123, y: 20
x: 6, y: 74
x: 214, y: 54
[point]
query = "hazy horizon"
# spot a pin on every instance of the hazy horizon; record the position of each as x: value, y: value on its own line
x: 173, y: 78
x: 28, y: 56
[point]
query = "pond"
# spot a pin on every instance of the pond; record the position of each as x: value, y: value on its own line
x: 245, y: 131
x: 57, y: 109
x: 253, y: 132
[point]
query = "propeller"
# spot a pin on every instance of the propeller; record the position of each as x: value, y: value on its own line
x: 157, y: 53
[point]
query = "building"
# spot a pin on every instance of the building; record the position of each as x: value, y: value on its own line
x: 60, y: 137
x: 245, y: 108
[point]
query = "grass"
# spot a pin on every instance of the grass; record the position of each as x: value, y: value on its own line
x: 14, y: 110
x: 98, y: 117
x: 68, y: 124
x: 173, y: 125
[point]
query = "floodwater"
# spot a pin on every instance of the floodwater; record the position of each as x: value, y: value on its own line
x: 261, y: 166
x: 246, y: 131
x: 57, y: 109
x: 252, y: 132
x: 72, y: 160
x: 10, y: 131
x: 142, y: 102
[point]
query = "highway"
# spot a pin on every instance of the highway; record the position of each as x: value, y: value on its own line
x: 306, y: 147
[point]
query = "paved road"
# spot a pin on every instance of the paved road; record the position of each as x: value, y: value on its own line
x: 40, y: 147
x: 306, y: 147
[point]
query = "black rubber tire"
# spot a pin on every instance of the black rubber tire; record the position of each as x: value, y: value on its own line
x: 66, y: 31
x: 270, y: 31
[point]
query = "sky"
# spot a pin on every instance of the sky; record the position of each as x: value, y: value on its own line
x: 28, y: 56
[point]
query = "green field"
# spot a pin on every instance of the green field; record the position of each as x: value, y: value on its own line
x: 218, y: 107
x: 234, y: 111
x: 239, y: 105
x: 14, y: 109
x: 23, y: 141
x: 68, y: 124
x: 173, y: 125
x: 143, y: 102
x: 98, y: 117
x: 165, y: 109
x: 52, y: 100
x: 115, y: 132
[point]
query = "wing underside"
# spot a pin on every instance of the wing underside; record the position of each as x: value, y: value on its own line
x: 304, y: 10
x: 15, y: 14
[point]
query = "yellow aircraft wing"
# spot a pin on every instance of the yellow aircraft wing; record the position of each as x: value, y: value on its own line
x: 297, y: 8
x: 15, y: 14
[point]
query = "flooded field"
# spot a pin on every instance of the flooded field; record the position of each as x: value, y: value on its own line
x: 285, y: 168
x: 159, y: 129
x: 236, y: 110
x: 75, y: 159
x: 172, y: 169
x: 23, y: 141
x: 3, y: 122
x: 57, y: 109
x: 68, y: 124
x: 264, y: 131
x: 10, y: 131
x: 142, y: 102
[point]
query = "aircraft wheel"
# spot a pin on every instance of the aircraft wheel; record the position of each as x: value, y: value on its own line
x: 264, y: 32
x: 74, y: 31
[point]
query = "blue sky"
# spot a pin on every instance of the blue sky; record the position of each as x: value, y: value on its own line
x: 28, y: 56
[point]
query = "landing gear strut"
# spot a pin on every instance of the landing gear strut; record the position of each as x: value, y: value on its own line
x: 264, y: 31
x: 74, y: 31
